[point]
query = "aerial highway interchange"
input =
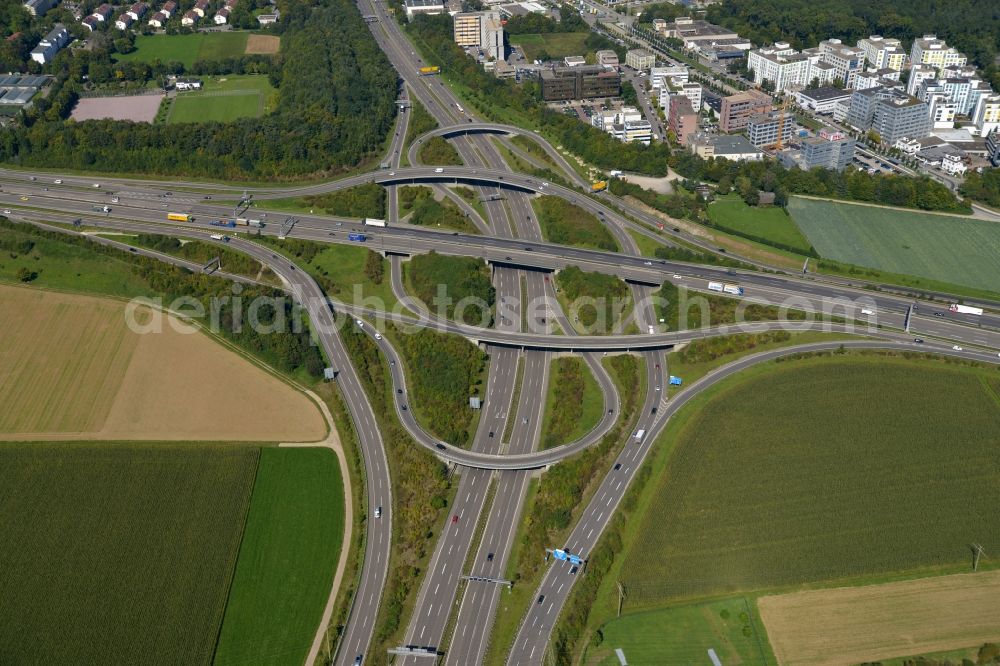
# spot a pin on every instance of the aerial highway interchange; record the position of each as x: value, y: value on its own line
x: 449, y: 618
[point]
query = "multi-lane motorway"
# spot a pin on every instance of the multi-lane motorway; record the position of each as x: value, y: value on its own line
x: 521, y: 337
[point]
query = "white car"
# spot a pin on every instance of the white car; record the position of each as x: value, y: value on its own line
x: 647, y: 263
x: 360, y: 323
x: 956, y: 348
x: 439, y: 170
x: 58, y: 181
x: 378, y: 336
x: 6, y: 211
x: 677, y: 277
x: 97, y: 186
x: 378, y: 512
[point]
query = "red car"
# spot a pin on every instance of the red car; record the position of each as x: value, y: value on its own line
x: 454, y: 519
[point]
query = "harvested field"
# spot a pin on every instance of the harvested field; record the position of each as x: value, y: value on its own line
x: 118, y: 553
x: 265, y: 44
x: 860, y: 624
x: 139, y: 108
x: 73, y: 370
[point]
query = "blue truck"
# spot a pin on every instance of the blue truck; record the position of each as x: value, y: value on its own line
x: 229, y: 224
x: 361, y: 238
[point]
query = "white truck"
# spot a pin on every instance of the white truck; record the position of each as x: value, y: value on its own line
x: 374, y: 222
x: 715, y: 286
x: 965, y: 309
x: 734, y: 289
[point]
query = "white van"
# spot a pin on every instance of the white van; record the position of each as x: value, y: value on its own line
x: 639, y: 434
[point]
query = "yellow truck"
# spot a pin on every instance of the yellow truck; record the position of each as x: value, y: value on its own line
x: 179, y: 217
x: 427, y: 71
x: 599, y: 186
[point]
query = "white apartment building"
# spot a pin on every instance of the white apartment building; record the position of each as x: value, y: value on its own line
x: 919, y: 74
x: 781, y: 65
x: 881, y: 53
x: 625, y: 124
x: 660, y: 77
x: 942, y: 111
x: 482, y: 30
x: 929, y: 50
x: 986, y: 114
x: 847, y: 61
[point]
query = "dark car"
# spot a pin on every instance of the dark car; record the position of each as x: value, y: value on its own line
x: 399, y: 391
x: 489, y: 557
x: 918, y: 340
x: 403, y: 407
x: 541, y: 598
x: 618, y: 466
x: 573, y: 570
x: 491, y: 434
x: 441, y: 446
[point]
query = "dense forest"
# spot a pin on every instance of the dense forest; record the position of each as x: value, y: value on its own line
x: 983, y: 187
x: 335, y: 107
x: 971, y: 26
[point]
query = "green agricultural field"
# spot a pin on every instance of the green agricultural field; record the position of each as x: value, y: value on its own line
x: 567, y: 224
x: 224, y: 99
x: 821, y: 470
x: 773, y: 225
x: 685, y: 634
x: 287, y: 559
x: 118, y: 553
x: 187, y: 49
x: 574, y: 404
x: 552, y: 45
x: 945, y: 248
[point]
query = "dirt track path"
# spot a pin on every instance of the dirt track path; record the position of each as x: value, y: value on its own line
x: 333, y: 443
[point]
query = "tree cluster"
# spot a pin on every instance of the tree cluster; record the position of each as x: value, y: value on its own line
x: 984, y: 187
x: 335, y: 107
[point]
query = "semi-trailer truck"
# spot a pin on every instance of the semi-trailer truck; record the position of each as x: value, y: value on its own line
x: 715, y: 286
x: 374, y: 222
x: 220, y: 237
x: 179, y: 217
x: 965, y: 309
x: 734, y: 289
x: 360, y: 238
x: 426, y: 71
x: 229, y: 224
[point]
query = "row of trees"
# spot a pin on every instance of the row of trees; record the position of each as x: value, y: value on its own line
x: 984, y: 187
x: 748, y: 178
x: 335, y: 107
x: 531, y: 24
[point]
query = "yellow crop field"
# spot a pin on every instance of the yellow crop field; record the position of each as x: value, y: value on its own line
x: 70, y: 368
x: 861, y: 624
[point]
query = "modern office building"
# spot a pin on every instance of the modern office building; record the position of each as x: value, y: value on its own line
x: 607, y: 58
x: 682, y: 119
x: 640, y: 59
x: 625, y: 124
x: 588, y: 82
x: 722, y: 146
x: 414, y: 7
x: 482, y: 30
x: 829, y: 150
x: 660, y: 77
x: 846, y: 61
x: 889, y: 112
x: 765, y: 129
x: 737, y: 109
x: 821, y: 100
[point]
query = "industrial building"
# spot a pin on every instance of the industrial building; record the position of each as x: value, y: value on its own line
x: 414, y: 7
x: 16, y: 91
x: 588, y: 82
x: 735, y: 148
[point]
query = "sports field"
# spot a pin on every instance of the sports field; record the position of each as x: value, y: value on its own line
x: 118, y: 553
x: 844, y: 468
x: 287, y: 558
x: 555, y: 45
x: 224, y: 99
x: 684, y: 635
x: 188, y: 49
x: 73, y: 369
x: 771, y: 224
x: 947, y: 248
x: 866, y: 624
